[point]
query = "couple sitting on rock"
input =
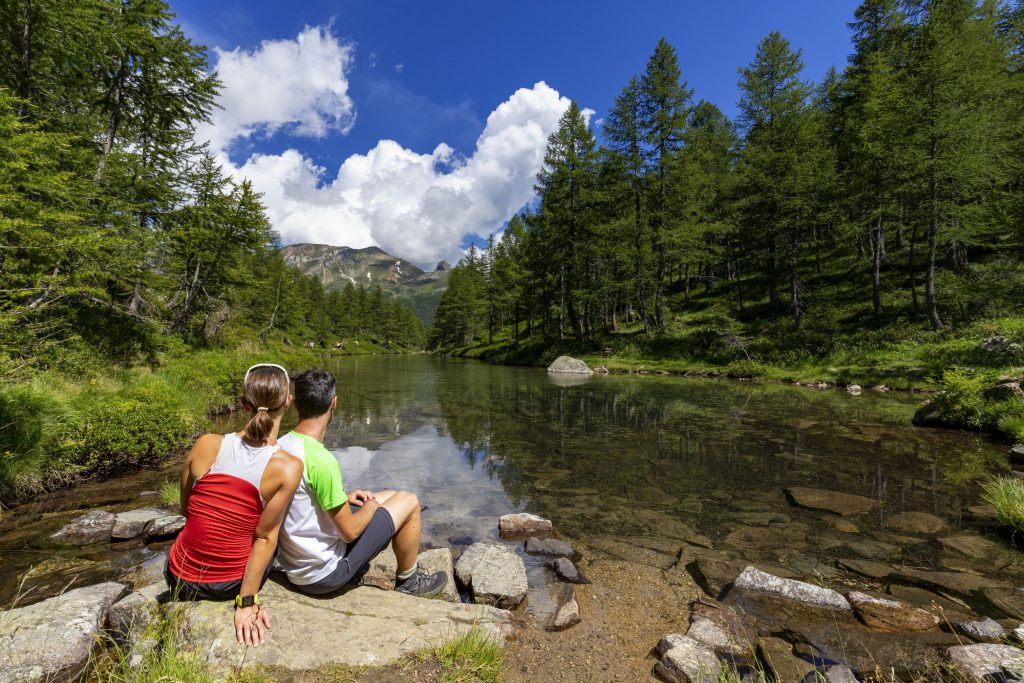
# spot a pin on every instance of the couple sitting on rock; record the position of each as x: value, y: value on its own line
x: 246, y: 495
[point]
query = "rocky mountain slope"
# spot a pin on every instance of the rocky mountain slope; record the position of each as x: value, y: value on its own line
x: 369, y: 267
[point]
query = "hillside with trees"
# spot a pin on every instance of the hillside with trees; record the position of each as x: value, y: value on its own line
x: 867, y: 227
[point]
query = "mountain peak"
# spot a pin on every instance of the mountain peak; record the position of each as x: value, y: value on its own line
x: 443, y: 267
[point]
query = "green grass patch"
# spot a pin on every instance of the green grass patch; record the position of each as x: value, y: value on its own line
x: 1006, y: 495
x: 170, y: 493
x: 474, y: 657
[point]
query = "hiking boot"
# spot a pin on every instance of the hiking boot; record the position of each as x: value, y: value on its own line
x: 422, y: 584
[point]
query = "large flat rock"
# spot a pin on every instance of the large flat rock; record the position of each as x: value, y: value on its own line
x: 92, y: 527
x: 133, y: 523
x: 843, y: 504
x: 984, y: 663
x: 53, y: 640
x: 363, y: 626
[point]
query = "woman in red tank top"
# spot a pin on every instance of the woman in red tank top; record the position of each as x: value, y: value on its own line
x: 235, y: 489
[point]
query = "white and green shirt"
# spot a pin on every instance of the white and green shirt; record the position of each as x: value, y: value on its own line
x: 309, y: 547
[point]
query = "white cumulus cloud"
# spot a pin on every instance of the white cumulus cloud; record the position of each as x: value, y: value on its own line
x: 418, y: 206
x: 297, y: 86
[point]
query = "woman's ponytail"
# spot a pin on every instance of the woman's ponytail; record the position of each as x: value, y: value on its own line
x: 265, y: 393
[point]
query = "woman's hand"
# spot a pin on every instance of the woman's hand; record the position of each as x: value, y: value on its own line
x: 251, y: 624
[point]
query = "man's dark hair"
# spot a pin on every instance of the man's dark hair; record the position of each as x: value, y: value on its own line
x: 314, y: 390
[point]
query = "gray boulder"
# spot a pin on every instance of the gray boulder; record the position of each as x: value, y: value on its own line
x: 133, y: 523
x: 756, y: 581
x: 523, y: 524
x: 570, y: 365
x: 567, y: 571
x: 53, y: 640
x: 982, y: 629
x: 549, y: 546
x: 984, y: 662
x: 92, y: 527
x: 440, y: 560
x: 493, y: 574
x: 682, y: 659
x: 165, y: 527
x: 568, y: 612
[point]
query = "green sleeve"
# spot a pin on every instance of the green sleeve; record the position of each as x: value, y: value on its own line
x: 323, y: 475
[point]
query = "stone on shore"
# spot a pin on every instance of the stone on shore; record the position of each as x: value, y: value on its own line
x: 440, y: 560
x: 568, y: 612
x: 843, y: 504
x: 982, y: 629
x: 756, y: 581
x: 92, y: 527
x: 165, y: 527
x: 837, y: 673
x: 1017, y: 453
x: 522, y: 524
x: 53, y: 640
x: 570, y: 365
x: 682, y: 659
x: 549, y: 546
x: 567, y: 571
x: 131, y: 614
x: 890, y: 615
x: 917, y: 522
x: 133, y: 523
x: 493, y: 574
x: 372, y: 627
x: 984, y: 663
x: 723, y: 630
x: 778, y: 655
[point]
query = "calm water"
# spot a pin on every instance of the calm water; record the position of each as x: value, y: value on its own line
x: 611, y: 456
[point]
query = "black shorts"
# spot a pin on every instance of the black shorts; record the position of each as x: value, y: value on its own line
x: 213, y: 590
x: 356, y: 560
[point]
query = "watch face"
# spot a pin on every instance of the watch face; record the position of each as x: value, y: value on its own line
x: 248, y: 600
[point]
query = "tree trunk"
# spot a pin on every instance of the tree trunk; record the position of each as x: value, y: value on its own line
x: 876, y: 270
x: 915, y: 306
x: 25, y: 77
x: 929, y: 277
x: 114, y: 121
x: 273, y: 314
x: 686, y: 284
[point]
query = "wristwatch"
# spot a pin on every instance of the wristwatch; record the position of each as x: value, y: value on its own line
x: 247, y: 600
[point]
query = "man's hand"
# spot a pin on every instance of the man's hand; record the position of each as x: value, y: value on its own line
x: 360, y: 497
x: 251, y: 624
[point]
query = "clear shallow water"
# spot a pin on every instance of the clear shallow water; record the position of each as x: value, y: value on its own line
x: 618, y: 456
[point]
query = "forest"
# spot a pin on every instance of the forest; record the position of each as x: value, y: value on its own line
x: 120, y: 234
x: 867, y: 223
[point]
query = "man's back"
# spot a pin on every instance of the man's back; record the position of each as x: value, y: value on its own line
x: 309, y: 547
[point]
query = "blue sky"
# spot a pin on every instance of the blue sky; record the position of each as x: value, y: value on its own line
x: 428, y: 73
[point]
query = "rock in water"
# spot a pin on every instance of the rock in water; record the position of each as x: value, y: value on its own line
x: 983, y: 663
x: 92, y: 527
x: 522, y: 524
x: 757, y: 581
x: 843, y: 504
x: 982, y: 629
x: 568, y: 364
x: 918, y: 522
x: 165, y: 527
x: 493, y: 574
x: 682, y: 659
x: 53, y: 640
x: 854, y: 389
x: 568, y: 612
x: 890, y: 615
x: 567, y: 571
x: 133, y: 523
x: 778, y: 654
x: 549, y: 546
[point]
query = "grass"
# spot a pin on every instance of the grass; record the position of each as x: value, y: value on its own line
x: 473, y: 657
x: 1006, y: 495
x: 169, y: 493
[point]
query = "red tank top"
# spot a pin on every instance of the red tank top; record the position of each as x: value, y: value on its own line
x: 224, y: 509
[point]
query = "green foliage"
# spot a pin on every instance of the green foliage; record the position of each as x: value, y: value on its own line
x: 169, y: 493
x: 1006, y: 495
x: 475, y: 657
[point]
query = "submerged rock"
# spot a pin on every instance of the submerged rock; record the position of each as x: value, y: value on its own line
x: 757, y: 581
x: 970, y: 545
x: 567, y: 571
x: 92, y: 527
x: 568, y: 364
x: 917, y: 522
x: 843, y: 504
x: 778, y: 655
x: 493, y: 574
x: 549, y: 546
x: 960, y: 583
x: 983, y: 663
x: 53, y: 640
x: 723, y: 630
x: 522, y: 524
x: 682, y: 659
x: 132, y: 524
x: 568, y: 612
x: 982, y: 629
x: 890, y: 615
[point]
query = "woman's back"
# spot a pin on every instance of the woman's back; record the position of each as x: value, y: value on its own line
x: 224, y: 508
